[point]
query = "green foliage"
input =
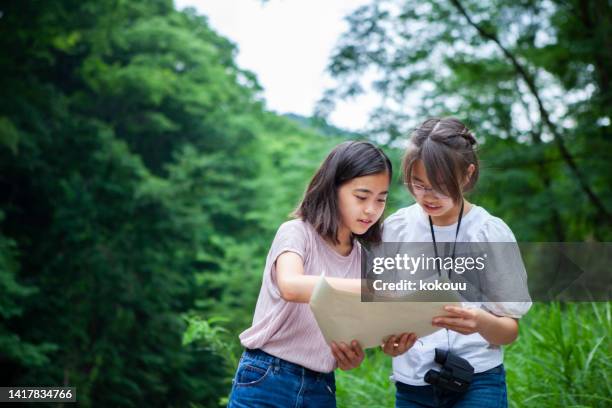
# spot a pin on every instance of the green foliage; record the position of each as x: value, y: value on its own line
x: 211, y: 334
x: 563, y: 357
x: 12, y: 296
x: 125, y: 154
x: 143, y: 181
x: 530, y: 78
x: 368, y: 385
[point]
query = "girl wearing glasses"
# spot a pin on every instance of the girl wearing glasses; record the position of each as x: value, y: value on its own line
x: 440, y: 166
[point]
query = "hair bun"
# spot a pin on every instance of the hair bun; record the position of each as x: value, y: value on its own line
x: 467, y: 135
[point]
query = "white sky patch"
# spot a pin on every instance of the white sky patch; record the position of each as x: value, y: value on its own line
x: 603, y: 121
x: 287, y: 44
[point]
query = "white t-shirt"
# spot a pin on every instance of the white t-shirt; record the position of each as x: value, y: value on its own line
x: 411, y: 224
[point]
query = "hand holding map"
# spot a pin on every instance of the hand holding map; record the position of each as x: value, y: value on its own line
x: 343, y: 317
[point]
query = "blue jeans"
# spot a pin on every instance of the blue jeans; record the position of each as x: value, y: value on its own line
x: 263, y: 380
x: 487, y: 390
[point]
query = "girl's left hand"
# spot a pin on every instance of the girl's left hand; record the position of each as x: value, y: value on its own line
x: 348, y: 357
x: 460, y: 319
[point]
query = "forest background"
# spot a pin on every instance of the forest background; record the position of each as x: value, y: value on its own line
x: 142, y: 180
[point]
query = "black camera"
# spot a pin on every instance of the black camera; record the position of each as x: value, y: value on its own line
x: 456, y: 373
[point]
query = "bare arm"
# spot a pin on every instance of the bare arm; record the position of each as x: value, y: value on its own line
x: 498, y: 330
x: 494, y: 329
x: 296, y: 287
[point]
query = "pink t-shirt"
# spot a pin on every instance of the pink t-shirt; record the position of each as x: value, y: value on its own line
x: 289, y: 330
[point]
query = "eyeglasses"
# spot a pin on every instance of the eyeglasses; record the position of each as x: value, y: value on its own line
x: 420, y: 191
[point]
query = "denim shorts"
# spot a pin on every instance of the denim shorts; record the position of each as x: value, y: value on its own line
x: 263, y: 380
x: 487, y: 390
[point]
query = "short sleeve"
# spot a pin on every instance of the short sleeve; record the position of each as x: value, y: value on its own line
x: 508, y: 309
x: 506, y: 277
x: 292, y: 236
x: 495, y: 230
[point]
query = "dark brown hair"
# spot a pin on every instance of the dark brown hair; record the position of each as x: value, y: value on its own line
x: 348, y: 160
x: 447, y: 148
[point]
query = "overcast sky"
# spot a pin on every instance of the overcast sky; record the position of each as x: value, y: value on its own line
x: 287, y: 44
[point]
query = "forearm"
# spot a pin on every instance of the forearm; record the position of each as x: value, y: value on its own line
x: 498, y: 330
x: 299, y: 288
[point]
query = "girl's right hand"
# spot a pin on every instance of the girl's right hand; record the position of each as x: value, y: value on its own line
x: 348, y: 357
x: 398, y: 345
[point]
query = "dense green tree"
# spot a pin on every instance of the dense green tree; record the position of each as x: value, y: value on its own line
x: 532, y: 79
x: 126, y: 138
x: 142, y: 180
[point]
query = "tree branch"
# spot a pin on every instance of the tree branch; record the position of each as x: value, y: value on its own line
x: 536, y: 138
x: 522, y: 72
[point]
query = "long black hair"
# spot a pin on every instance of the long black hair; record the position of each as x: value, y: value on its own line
x: 348, y: 160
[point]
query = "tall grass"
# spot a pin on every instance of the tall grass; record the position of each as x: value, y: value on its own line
x: 562, y: 357
x: 368, y: 385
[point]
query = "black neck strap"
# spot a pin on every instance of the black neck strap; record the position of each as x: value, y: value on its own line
x: 433, y: 238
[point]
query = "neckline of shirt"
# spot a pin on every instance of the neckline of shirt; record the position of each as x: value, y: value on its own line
x: 452, y: 227
x: 330, y: 249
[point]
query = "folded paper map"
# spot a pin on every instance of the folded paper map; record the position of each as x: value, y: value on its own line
x: 343, y: 317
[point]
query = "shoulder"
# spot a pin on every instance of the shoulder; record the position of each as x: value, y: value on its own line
x: 490, y: 228
x: 402, y: 216
x: 396, y: 222
x: 294, y: 235
x: 296, y: 227
x: 295, y: 224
